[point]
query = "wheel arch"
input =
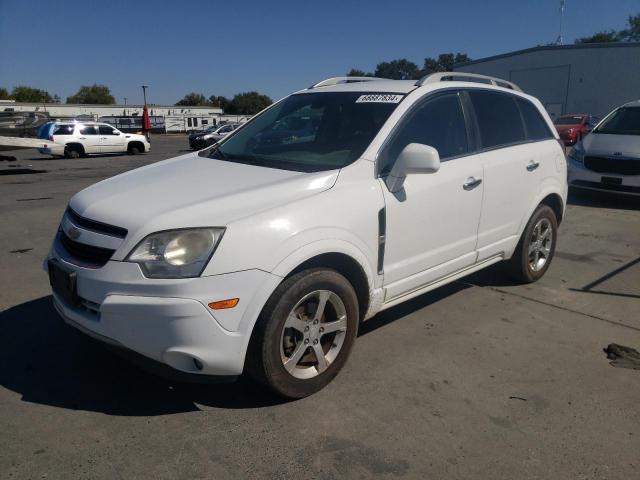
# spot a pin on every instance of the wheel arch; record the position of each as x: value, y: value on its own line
x: 77, y: 145
x: 343, y: 257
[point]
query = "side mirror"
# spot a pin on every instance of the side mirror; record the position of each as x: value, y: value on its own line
x: 116, y: 132
x: 414, y: 158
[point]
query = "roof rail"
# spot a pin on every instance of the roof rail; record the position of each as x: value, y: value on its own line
x: 466, y: 77
x: 337, y: 80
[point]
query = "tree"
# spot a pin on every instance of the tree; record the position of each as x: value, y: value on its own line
x: 600, y: 37
x: 444, y: 63
x: 93, y: 94
x: 192, y: 100
x: 22, y: 93
x: 219, y: 101
x: 401, y: 69
x: 632, y: 34
x: 248, y: 103
x: 4, y: 94
x: 359, y: 73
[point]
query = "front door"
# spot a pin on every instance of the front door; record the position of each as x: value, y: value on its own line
x: 90, y: 138
x: 432, y: 222
x: 111, y: 140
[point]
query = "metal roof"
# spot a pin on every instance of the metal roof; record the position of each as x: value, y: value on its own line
x: 542, y: 48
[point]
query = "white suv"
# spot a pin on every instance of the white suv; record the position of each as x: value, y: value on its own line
x: 74, y: 139
x: 263, y: 253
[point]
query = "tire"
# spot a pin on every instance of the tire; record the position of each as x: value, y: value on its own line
x: 536, y: 247
x: 133, y: 150
x: 282, y: 354
x: 73, y: 151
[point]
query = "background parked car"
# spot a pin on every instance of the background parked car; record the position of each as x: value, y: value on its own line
x: 200, y: 140
x: 75, y: 139
x: 574, y: 127
x: 609, y: 158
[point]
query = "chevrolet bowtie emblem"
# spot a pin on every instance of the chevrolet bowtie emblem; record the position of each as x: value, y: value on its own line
x: 73, y: 233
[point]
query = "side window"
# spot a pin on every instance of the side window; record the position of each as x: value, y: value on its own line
x: 537, y: 128
x: 498, y: 118
x: 437, y: 122
x: 105, y: 130
x: 63, y: 130
x: 88, y: 130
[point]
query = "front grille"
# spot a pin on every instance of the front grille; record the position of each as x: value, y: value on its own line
x: 617, y: 166
x: 95, y: 226
x: 87, y: 254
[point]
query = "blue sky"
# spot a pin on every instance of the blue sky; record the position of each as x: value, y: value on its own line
x: 275, y: 47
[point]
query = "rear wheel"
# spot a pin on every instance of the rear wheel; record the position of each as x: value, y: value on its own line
x: 304, y: 334
x: 73, y: 151
x: 537, y: 245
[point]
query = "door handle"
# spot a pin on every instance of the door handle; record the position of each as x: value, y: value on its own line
x: 531, y: 166
x: 83, y: 138
x: 471, y: 183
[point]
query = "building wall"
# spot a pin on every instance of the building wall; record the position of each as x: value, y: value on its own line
x: 73, y: 110
x: 570, y: 79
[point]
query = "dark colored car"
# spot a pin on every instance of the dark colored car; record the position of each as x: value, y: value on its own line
x: 196, y: 141
x: 573, y: 128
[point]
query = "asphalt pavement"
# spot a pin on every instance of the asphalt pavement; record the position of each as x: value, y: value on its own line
x: 479, y: 379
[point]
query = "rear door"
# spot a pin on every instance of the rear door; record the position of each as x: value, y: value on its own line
x: 88, y: 136
x: 512, y: 164
x: 432, y: 223
x: 111, y: 140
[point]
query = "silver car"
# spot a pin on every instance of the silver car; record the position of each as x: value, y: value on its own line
x: 608, y: 159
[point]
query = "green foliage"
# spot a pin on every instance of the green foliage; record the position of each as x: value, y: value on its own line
x: 248, y: 103
x: 444, y: 63
x: 600, y: 37
x: 358, y: 73
x: 23, y: 93
x: 93, y: 94
x: 404, y: 69
x: 401, y: 69
x: 630, y: 34
x: 193, y: 100
x: 4, y: 94
x: 219, y: 101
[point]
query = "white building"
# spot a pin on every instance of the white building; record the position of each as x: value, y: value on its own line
x: 172, y: 118
x: 583, y: 78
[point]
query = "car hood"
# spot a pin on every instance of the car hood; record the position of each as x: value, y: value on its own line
x: 192, y: 191
x: 606, y: 144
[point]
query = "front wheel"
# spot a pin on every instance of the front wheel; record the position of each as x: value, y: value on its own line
x: 305, y: 333
x: 537, y: 245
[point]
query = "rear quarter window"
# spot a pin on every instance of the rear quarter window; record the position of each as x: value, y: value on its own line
x: 536, y: 127
x: 63, y: 130
x: 498, y: 118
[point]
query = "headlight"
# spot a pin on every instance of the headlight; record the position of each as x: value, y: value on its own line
x: 577, y: 155
x: 176, y: 253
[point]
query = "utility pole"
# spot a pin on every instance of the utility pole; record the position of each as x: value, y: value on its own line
x: 125, y: 106
x: 560, y: 40
x: 144, y: 95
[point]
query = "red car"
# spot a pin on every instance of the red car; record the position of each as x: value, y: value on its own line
x: 572, y: 128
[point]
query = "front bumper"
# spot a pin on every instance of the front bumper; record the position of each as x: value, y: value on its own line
x: 581, y: 177
x: 168, y: 321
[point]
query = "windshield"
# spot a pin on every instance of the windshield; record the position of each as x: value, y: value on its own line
x: 309, y: 132
x: 623, y: 121
x: 568, y: 120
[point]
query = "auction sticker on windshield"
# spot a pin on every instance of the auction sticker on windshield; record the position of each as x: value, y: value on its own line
x: 379, y: 98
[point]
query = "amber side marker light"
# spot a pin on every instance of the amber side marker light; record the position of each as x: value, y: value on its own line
x: 223, y: 304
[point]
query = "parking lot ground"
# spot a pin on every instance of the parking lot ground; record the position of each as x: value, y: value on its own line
x: 478, y: 379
